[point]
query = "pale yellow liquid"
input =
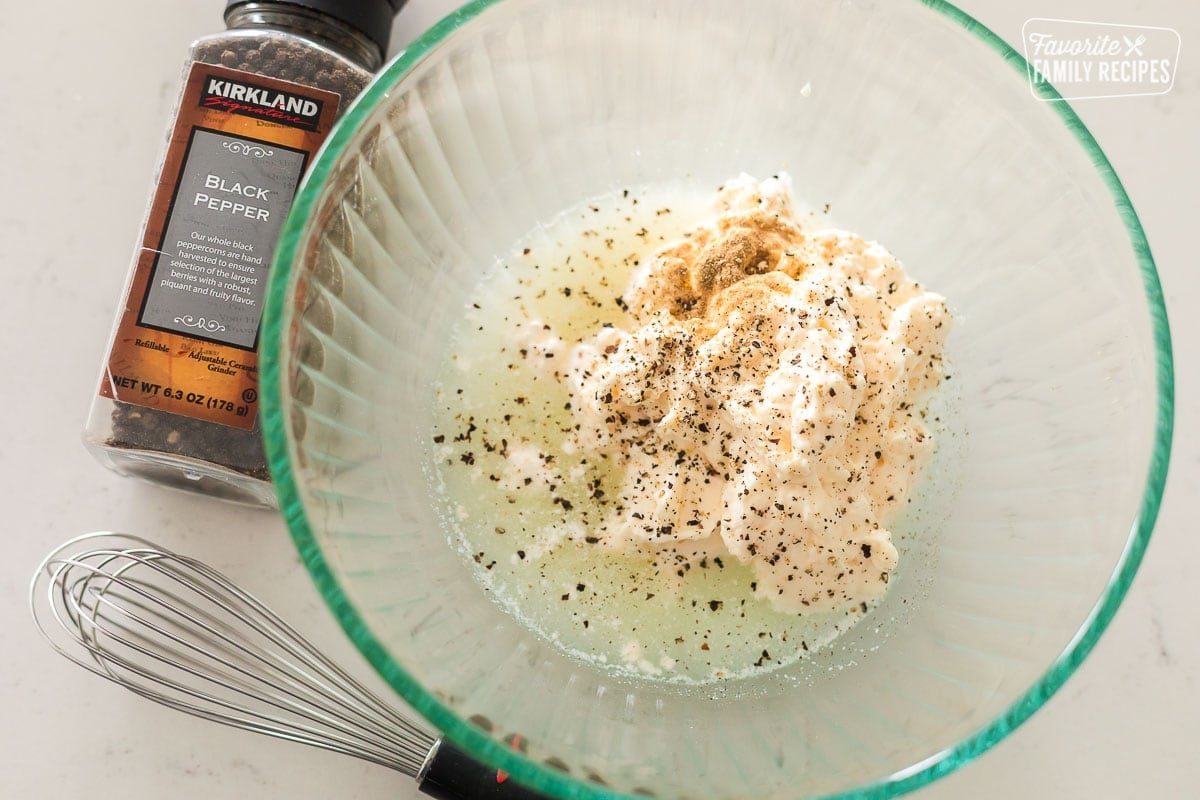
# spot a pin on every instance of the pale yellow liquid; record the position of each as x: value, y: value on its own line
x: 606, y: 606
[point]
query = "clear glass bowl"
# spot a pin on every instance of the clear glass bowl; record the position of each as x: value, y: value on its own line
x: 919, y: 126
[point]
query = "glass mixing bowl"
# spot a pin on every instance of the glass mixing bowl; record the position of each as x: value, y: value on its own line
x: 920, y: 127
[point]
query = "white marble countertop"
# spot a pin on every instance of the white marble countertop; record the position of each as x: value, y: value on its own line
x: 84, y: 96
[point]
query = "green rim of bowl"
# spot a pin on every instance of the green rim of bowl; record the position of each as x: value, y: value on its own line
x: 546, y: 779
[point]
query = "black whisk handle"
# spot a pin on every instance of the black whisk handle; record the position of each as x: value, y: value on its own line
x: 451, y: 774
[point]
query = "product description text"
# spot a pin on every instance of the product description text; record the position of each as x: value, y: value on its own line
x: 209, y: 275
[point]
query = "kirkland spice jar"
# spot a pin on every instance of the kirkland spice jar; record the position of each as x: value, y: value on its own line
x: 178, y: 396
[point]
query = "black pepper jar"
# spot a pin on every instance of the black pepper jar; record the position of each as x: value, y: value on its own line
x: 178, y: 398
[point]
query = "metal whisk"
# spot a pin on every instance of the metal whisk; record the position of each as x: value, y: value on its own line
x: 174, y: 630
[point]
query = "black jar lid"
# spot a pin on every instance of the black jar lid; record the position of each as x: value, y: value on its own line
x: 372, y: 18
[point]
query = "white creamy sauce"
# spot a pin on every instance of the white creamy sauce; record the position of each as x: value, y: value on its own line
x: 673, y: 434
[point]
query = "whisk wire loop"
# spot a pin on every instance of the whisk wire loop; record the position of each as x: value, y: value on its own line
x: 175, y: 631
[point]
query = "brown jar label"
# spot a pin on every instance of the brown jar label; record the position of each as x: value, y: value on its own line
x: 187, y: 336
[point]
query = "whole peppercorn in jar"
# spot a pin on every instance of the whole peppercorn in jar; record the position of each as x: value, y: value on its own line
x: 178, y: 396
